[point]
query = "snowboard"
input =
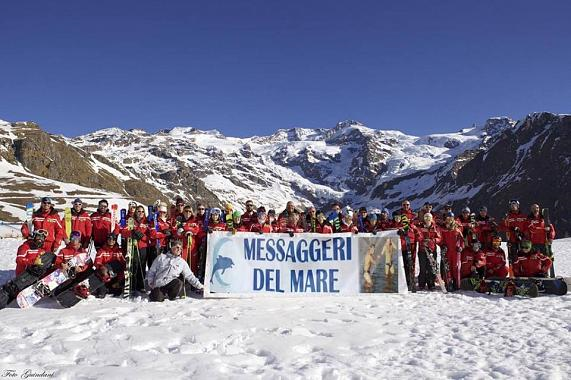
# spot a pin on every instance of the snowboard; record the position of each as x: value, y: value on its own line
x: 31, y: 275
x: 555, y: 286
x: 519, y: 287
x: 32, y: 294
x: 67, y: 220
x: 95, y: 280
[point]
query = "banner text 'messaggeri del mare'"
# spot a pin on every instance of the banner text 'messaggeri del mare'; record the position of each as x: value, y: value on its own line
x: 300, y: 251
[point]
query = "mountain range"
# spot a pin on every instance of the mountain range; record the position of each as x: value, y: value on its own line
x: 487, y: 164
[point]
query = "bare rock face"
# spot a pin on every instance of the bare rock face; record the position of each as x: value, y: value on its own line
x: 51, y: 157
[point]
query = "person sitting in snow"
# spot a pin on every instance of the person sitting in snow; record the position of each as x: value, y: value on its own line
x: 496, y: 259
x: 530, y: 263
x: 164, y: 277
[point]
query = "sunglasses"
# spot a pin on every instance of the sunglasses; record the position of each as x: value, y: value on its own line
x: 46, y: 203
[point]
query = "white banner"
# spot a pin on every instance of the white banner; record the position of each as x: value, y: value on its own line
x: 246, y: 264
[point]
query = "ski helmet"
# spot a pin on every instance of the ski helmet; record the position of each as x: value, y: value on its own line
x: 525, y: 245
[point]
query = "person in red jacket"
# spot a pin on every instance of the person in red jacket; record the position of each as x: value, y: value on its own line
x: 323, y: 226
x: 80, y: 221
x: 407, y: 233
x: 540, y: 234
x: 29, y: 251
x: 163, y: 234
x: 140, y: 233
x: 291, y: 225
x: 486, y: 227
x: 262, y: 225
x: 383, y: 221
x: 215, y: 222
x: 371, y: 224
x: 406, y: 210
x: 473, y: 261
x: 515, y: 226
x: 46, y: 218
x: 177, y: 210
x: 530, y: 263
x: 187, y: 230
x: 249, y: 216
x: 428, y: 235
x: 347, y: 221
x: 108, y: 253
x: 101, y: 224
x: 452, y: 245
x: 496, y: 259
x: 71, y: 250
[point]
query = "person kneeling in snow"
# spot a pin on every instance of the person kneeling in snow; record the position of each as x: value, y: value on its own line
x: 163, y: 277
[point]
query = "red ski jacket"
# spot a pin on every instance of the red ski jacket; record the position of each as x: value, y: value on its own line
x: 428, y: 237
x: 80, y: 221
x: 50, y: 222
x: 26, y: 256
x: 536, y: 230
x: 496, y: 263
x: 534, y: 265
x: 471, y: 259
x: 107, y: 254
x: 66, y: 254
x: 512, y: 222
x: 101, y: 227
x: 141, y: 226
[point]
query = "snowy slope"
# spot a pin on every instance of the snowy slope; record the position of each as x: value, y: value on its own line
x: 423, y: 335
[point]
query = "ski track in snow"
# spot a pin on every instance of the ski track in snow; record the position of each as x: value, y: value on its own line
x: 423, y: 335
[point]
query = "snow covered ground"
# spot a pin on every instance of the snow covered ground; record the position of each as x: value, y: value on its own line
x: 389, y: 336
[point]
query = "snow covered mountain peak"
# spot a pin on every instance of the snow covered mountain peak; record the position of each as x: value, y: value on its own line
x: 349, y: 162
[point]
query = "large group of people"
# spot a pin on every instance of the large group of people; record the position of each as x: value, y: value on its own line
x: 171, y: 240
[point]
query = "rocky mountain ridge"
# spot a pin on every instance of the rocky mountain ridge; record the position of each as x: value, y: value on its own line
x: 485, y: 164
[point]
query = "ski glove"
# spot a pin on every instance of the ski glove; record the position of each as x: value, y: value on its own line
x: 167, y: 233
x: 137, y: 235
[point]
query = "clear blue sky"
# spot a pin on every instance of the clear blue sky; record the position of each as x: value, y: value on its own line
x: 251, y: 67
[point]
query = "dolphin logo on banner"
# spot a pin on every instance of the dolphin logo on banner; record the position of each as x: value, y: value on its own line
x: 221, y: 263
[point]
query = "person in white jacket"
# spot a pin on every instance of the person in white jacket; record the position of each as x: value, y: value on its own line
x: 164, y: 276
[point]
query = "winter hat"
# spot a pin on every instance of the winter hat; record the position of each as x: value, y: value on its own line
x: 483, y: 208
x: 466, y: 209
x: 77, y: 200
x: 449, y: 214
x: 75, y: 235
x: 47, y: 200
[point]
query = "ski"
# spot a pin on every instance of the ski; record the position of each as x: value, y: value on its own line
x: 548, y: 250
x: 67, y: 219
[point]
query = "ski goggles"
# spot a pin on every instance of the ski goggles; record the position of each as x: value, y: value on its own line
x: 41, y: 232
